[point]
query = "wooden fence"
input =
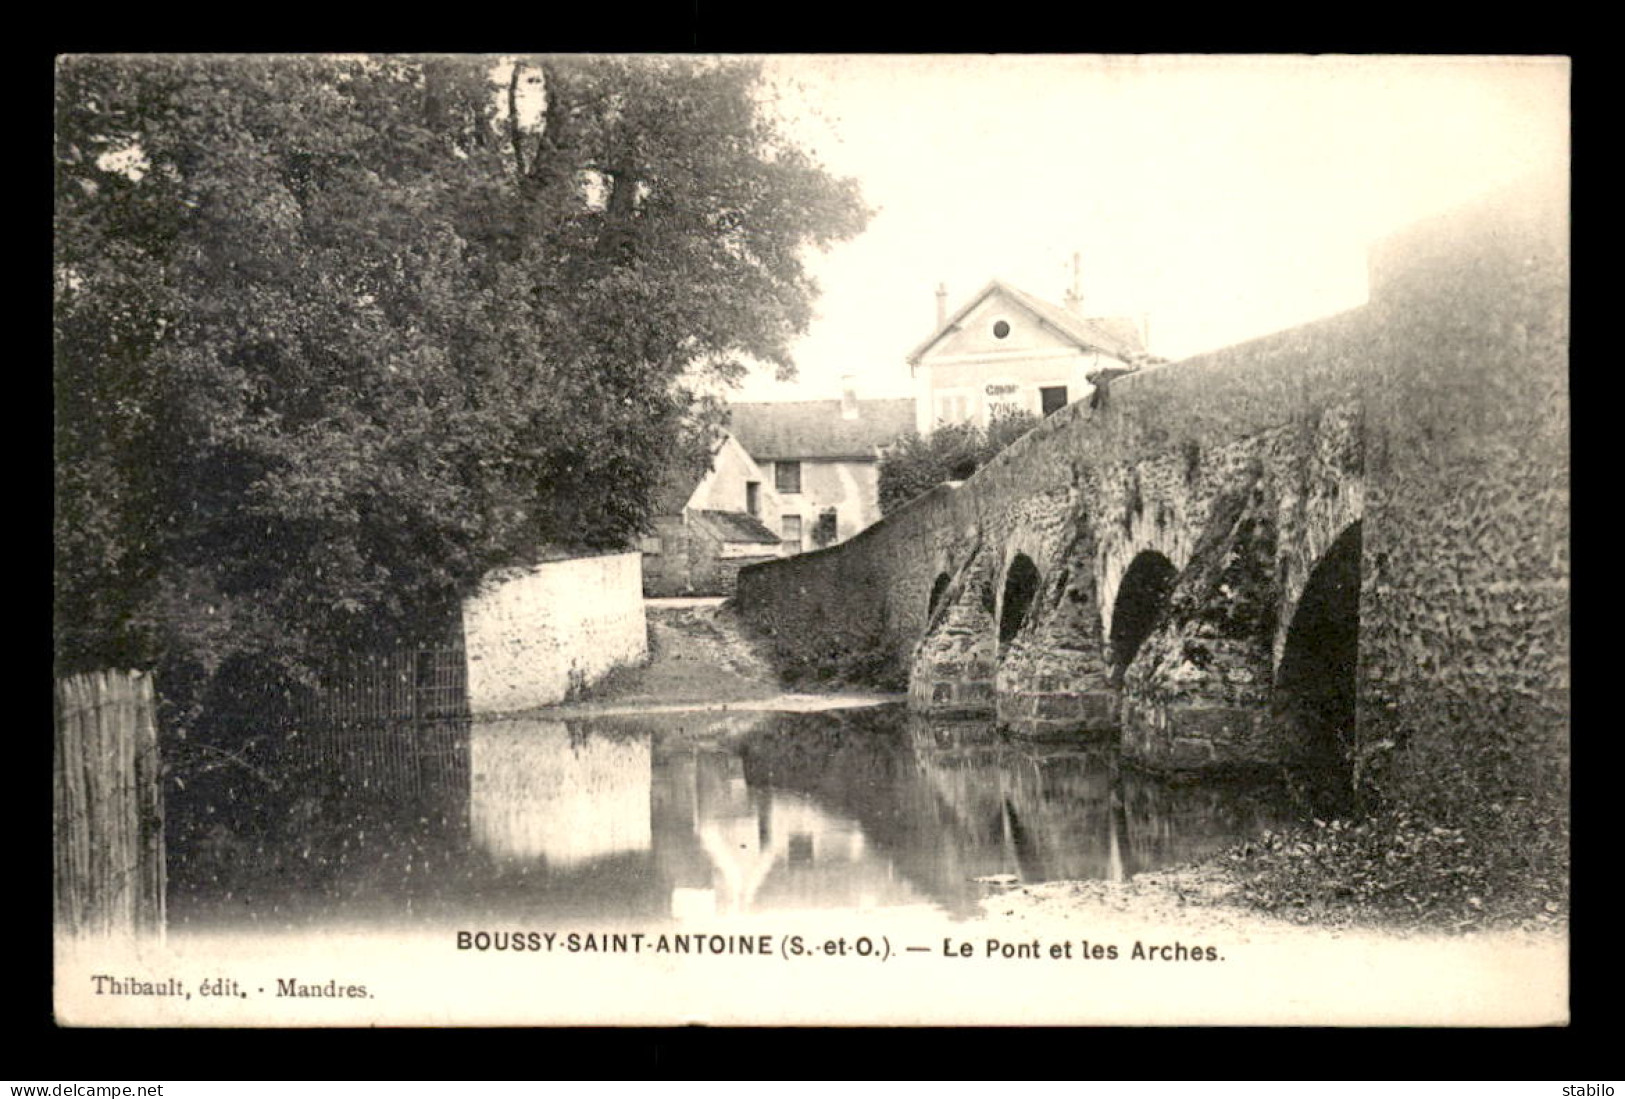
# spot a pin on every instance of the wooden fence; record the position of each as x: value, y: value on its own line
x: 416, y: 684
x: 108, y: 822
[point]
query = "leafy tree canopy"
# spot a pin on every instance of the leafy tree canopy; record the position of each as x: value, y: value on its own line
x: 334, y: 337
x: 918, y: 463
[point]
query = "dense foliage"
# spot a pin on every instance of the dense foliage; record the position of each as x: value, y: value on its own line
x: 918, y: 463
x: 334, y: 337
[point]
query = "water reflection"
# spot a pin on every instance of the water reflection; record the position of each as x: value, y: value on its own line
x: 540, y: 791
x: 729, y: 845
x: 683, y: 816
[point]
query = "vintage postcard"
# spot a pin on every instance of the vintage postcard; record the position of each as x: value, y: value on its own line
x: 811, y: 540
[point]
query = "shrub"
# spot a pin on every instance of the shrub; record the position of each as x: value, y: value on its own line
x: 918, y: 463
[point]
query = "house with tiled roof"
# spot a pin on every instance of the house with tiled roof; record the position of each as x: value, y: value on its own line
x: 709, y: 524
x: 1006, y: 349
x: 824, y: 461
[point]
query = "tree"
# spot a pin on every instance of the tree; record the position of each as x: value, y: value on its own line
x: 918, y: 463
x: 826, y: 529
x: 336, y: 337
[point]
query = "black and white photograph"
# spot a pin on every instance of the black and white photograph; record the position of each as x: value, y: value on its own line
x: 811, y: 540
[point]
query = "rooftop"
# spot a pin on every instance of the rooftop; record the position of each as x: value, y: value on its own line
x: 793, y: 430
x: 736, y: 526
x: 1116, y: 336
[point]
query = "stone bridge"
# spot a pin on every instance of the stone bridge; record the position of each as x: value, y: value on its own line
x: 1342, y: 546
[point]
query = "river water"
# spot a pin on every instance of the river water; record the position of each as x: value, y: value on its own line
x: 653, y: 817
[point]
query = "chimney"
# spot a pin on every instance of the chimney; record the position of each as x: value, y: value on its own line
x: 849, y: 397
x: 1145, y: 332
x: 942, y: 304
x: 1073, y: 298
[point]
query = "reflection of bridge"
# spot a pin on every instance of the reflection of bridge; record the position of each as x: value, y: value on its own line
x: 953, y: 801
x: 1342, y: 544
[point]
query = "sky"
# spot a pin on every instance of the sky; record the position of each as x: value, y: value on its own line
x: 1218, y: 197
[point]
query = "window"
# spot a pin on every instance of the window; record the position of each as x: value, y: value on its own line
x: 792, y: 533
x: 1053, y: 396
x: 787, y: 476
x: 650, y: 544
x: 753, y: 498
x: 1001, y: 329
x: 953, y: 409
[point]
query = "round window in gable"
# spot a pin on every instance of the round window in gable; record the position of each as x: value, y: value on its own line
x: 1001, y: 329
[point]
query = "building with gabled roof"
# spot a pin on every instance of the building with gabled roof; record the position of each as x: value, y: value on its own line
x: 824, y: 460
x: 1005, y: 349
x: 710, y: 523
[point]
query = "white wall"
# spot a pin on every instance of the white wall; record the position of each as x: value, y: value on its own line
x: 723, y: 489
x: 963, y: 364
x: 532, y: 635
x: 1019, y: 382
x: 852, y: 488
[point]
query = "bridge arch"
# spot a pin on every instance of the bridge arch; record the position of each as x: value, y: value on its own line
x: 1315, y: 685
x: 1020, y: 589
x: 1336, y: 506
x: 1142, y: 597
x: 1051, y: 676
x: 939, y: 588
x: 951, y: 666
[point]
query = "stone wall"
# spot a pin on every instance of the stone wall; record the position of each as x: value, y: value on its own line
x: 1430, y: 426
x: 667, y: 572
x: 722, y: 573
x: 534, y: 635
x: 692, y: 561
x: 1464, y: 616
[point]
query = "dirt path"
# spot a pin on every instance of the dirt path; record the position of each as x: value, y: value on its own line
x: 700, y: 658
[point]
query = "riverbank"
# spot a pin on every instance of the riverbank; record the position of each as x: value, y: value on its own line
x: 1291, y: 884
x: 701, y: 658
